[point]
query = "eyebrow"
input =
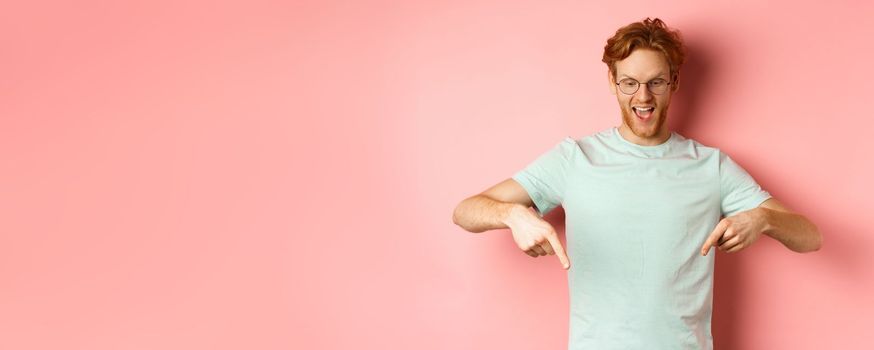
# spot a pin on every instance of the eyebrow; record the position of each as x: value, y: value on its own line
x: 657, y: 76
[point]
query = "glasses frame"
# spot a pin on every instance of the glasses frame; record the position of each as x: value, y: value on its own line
x: 667, y: 84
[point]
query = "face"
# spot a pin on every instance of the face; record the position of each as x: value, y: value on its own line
x: 641, y: 127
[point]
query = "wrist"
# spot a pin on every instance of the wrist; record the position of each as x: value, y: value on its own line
x: 509, y: 213
x: 765, y: 219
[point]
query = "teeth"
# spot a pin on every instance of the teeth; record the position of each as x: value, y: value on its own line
x: 644, y: 109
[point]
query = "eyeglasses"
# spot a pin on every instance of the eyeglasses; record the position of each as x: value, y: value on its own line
x: 656, y: 86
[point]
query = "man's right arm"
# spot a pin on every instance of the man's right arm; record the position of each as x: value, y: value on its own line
x: 492, y: 208
x: 506, y: 205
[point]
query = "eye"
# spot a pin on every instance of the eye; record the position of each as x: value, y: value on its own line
x: 657, y: 82
x: 628, y: 82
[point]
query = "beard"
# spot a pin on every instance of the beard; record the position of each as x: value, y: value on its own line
x: 648, y: 129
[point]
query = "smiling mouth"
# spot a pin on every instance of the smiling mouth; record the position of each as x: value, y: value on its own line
x: 643, y: 112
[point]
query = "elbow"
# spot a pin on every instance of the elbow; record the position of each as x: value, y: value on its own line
x: 455, y: 216
x: 459, y: 218
x: 458, y: 215
x: 818, y: 244
x: 817, y: 237
x: 816, y: 241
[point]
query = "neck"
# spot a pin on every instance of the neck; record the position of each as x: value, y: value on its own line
x: 659, y: 138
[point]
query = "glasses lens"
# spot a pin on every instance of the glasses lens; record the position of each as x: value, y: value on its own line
x: 658, y: 86
x: 628, y: 86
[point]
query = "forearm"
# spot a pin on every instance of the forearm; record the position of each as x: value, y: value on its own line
x: 795, y: 231
x: 480, y: 213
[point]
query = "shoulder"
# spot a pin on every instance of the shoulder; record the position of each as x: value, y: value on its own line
x: 594, y: 141
x: 569, y: 147
x: 586, y: 146
x: 695, y: 147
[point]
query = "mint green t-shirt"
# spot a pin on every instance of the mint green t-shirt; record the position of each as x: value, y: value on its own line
x: 636, y: 218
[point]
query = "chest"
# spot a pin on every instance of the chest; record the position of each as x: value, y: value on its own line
x: 656, y: 199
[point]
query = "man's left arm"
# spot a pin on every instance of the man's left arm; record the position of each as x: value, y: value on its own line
x: 771, y: 218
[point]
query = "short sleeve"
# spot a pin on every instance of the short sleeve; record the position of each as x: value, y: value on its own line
x: 739, y: 191
x: 545, y: 178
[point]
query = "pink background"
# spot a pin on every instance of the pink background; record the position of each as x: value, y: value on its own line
x: 281, y: 175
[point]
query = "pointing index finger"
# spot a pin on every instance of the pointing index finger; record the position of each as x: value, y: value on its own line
x: 714, y: 236
x: 559, y: 250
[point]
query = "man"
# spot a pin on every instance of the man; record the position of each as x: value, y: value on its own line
x: 643, y: 207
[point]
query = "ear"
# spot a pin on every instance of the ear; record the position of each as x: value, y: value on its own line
x: 612, y: 82
x: 675, y: 85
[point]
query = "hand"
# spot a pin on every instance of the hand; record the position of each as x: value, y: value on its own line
x: 534, y: 235
x: 736, y: 232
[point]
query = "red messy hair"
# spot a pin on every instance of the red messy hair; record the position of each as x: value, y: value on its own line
x: 647, y: 34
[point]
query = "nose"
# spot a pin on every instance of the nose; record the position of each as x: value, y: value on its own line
x: 643, y: 93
